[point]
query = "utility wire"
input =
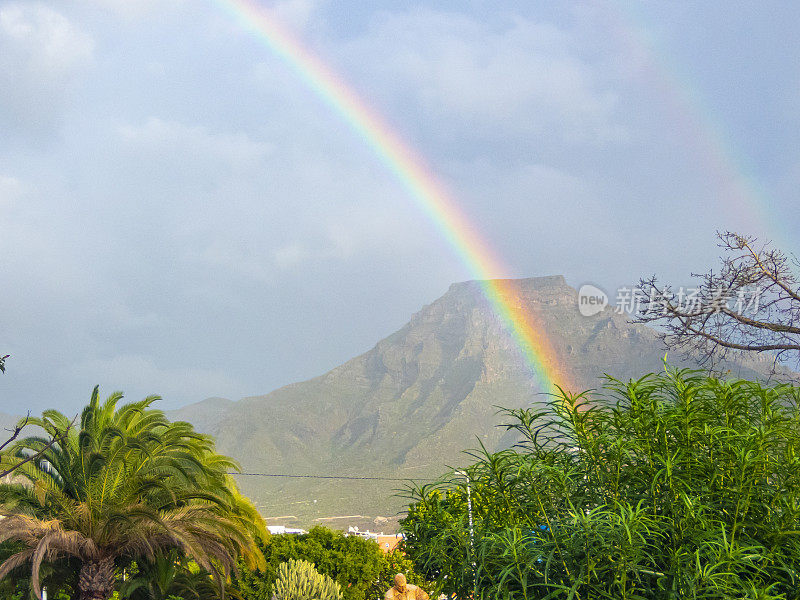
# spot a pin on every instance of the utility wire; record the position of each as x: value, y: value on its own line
x: 355, y: 477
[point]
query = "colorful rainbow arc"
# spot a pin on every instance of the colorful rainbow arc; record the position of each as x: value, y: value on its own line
x: 427, y: 193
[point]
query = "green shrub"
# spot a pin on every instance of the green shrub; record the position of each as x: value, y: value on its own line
x: 358, y: 565
x: 299, y: 580
x: 677, y: 485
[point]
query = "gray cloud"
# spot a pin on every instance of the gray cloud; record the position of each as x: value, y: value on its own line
x: 512, y: 78
x: 199, y: 222
x: 144, y: 377
x: 42, y: 57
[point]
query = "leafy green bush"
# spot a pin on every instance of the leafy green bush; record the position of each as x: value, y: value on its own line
x: 359, y: 566
x: 299, y: 580
x: 674, y: 486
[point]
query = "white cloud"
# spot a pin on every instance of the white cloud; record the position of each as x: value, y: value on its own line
x: 290, y: 255
x: 181, y: 144
x: 349, y: 232
x: 233, y: 255
x: 44, y: 40
x: 42, y: 54
x: 368, y: 228
x: 517, y: 78
x: 337, y: 234
x: 135, y: 9
x: 11, y: 189
x: 40, y: 264
x: 297, y: 14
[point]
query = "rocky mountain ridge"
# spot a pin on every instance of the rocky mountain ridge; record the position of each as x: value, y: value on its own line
x: 411, y: 405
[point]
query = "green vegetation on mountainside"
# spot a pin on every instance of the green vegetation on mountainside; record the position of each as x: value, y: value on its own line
x: 411, y: 405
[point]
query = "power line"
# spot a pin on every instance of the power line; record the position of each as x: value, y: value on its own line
x: 352, y: 477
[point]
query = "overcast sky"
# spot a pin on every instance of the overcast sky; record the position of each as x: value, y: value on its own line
x: 180, y: 215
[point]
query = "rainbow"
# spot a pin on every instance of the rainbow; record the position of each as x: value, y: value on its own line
x: 725, y: 166
x: 428, y: 194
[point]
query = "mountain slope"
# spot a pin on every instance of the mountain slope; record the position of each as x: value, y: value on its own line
x: 410, y: 406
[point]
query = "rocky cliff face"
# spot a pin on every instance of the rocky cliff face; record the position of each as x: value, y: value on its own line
x: 410, y: 406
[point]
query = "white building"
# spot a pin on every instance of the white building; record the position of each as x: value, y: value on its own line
x: 280, y: 530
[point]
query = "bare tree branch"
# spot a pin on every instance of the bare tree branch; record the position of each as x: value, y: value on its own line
x: 773, y: 274
x: 15, y: 433
x: 776, y: 327
x: 57, y: 438
x: 751, y: 304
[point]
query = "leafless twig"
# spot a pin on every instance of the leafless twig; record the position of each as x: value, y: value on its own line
x: 57, y: 438
x: 751, y: 304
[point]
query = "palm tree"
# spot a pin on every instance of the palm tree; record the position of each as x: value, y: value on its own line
x: 126, y: 484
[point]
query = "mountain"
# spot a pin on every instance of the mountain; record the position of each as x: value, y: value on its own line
x: 203, y: 415
x: 408, y: 407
